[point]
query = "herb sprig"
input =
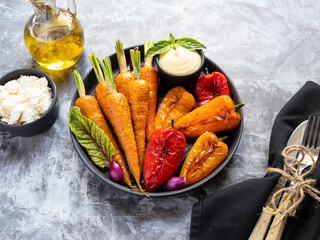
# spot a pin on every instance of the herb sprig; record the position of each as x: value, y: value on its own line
x: 163, y: 46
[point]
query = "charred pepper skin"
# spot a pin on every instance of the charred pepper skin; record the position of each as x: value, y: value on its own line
x: 163, y: 156
x: 214, y: 116
x: 207, y: 153
x: 177, y: 103
x: 211, y: 86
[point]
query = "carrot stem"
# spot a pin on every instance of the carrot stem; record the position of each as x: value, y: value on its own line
x: 103, y: 68
x: 79, y: 82
x: 96, y: 67
x: 136, y: 63
x: 109, y: 75
x: 121, y: 56
x: 147, y: 45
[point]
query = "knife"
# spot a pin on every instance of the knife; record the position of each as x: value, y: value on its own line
x: 262, y: 225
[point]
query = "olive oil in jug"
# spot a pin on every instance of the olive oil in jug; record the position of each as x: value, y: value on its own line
x: 53, y: 36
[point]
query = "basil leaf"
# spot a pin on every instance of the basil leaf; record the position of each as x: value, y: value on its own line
x: 190, y: 44
x: 160, y: 47
x: 91, y: 137
x: 172, y: 39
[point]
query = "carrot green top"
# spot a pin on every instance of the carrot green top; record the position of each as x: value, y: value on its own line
x: 121, y: 56
x: 95, y: 65
x: 107, y: 70
x: 147, y: 45
x: 79, y: 82
x: 103, y: 71
x: 136, y: 63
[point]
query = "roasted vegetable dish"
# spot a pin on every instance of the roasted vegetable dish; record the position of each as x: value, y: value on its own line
x: 144, y: 137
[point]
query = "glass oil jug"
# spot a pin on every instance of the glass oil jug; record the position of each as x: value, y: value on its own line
x: 54, y: 36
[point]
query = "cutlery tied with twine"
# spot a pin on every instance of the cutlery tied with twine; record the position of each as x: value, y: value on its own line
x: 300, y: 186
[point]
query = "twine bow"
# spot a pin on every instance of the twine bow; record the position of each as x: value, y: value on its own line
x: 299, y: 185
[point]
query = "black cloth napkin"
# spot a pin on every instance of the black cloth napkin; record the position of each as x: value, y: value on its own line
x: 231, y: 213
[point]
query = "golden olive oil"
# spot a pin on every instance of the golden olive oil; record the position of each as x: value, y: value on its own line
x: 55, y: 42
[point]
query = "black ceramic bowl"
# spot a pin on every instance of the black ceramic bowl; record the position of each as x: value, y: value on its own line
x: 234, y: 135
x: 172, y: 80
x: 46, y: 120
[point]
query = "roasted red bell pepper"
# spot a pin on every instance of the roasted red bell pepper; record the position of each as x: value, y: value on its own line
x: 163, y: 156
x: 211, y: 86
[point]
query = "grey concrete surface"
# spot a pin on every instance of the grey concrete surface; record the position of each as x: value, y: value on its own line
x: 268, y: 48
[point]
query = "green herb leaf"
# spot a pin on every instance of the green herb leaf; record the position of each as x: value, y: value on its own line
x: 172, y: 39
x: 160, y: 47
x: 91, y: 137
x: 163, y: 46
x: 190, y: 44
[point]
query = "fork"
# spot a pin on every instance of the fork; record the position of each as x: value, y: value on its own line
x: 311, y: 140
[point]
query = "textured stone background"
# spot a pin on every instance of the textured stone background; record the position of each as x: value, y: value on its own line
x: 268, y: 48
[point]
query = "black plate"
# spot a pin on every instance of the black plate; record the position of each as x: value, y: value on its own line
x: 233, y: 140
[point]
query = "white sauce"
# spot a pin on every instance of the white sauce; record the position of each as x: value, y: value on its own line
x: 24, y: 100
x: 180, y: 61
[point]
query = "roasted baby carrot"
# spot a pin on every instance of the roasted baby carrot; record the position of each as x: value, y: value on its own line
x: 138, y: 98
x: 124, y: 77
x: 150, y: 74
x: 116, y: 108
x: 177, y: 103
x: 89, y: 107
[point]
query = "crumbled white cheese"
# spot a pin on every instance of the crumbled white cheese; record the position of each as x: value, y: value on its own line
x: 12, y: 87
x: 24, y: 100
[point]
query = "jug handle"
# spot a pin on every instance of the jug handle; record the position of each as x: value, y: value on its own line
x: 72, y: 7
